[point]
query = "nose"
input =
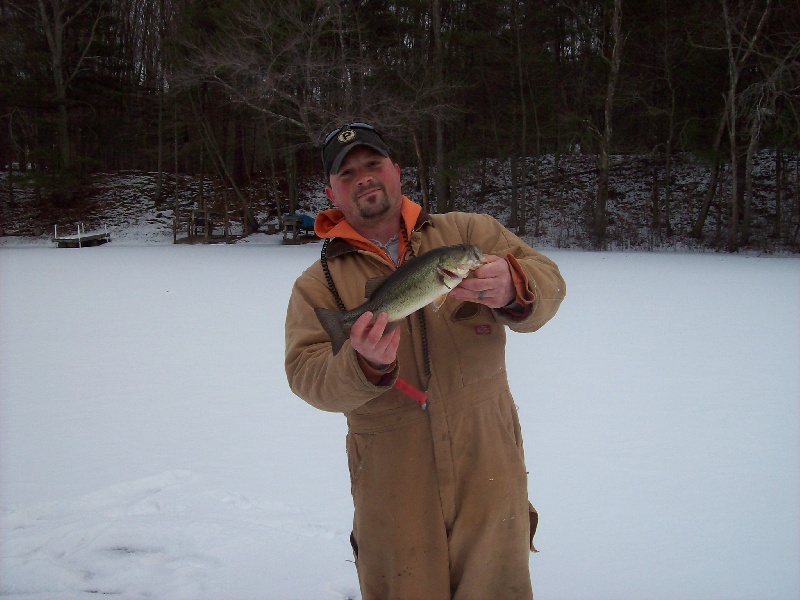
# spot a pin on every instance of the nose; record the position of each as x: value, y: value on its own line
x: 363, y: 178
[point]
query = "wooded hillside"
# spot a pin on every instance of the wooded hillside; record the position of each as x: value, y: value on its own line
x: 242, y: 89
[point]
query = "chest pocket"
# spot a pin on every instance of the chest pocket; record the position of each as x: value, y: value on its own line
x: 466, y: 311
x: 477, y: 343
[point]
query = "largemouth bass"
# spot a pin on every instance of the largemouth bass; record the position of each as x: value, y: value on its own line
x: 421, y: 281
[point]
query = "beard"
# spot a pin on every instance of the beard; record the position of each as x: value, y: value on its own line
x: 373, y: 203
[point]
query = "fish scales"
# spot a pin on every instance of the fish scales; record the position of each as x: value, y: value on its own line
x: 415, y: 284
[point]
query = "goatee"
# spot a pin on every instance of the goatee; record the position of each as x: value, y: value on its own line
x: 370, y: 206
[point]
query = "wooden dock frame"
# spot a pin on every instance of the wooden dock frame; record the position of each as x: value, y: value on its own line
x: 295, y: 232
x: 200, y: 225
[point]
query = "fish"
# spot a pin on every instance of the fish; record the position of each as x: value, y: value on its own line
x: 423, y: 280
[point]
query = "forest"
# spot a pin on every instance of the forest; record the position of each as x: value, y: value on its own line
x: 240, y: 90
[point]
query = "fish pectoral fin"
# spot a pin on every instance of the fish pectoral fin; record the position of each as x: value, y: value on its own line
x: 372, y: 285
x: 438, y: 301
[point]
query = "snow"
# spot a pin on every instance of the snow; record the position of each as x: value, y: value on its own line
x: 150, y: 446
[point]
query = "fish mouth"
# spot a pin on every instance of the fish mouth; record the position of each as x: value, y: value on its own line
x: 477, y: 255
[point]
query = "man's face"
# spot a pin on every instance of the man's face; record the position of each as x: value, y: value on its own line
x: 366, y: 188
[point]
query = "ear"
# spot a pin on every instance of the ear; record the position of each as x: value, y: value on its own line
x: 329, y: 194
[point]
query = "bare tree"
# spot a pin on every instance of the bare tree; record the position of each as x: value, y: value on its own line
x: 781, y: 79
x: 740, y: 43
x: 441, y: 182
x: 56, y: 17
x: 270, y: 58
x: 668, y: 47
x: 740, y: 46
x: 521, y: 213
x: 601, y: 201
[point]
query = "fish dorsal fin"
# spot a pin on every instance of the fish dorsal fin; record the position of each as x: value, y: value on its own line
x: 438, y: 301
x: 372, y: 286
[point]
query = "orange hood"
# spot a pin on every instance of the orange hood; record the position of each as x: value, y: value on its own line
x: 332, y: 223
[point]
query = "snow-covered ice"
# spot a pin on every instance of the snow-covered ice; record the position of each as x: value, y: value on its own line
x: 150, y: 446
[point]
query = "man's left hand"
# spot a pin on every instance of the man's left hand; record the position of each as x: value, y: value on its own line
x: 490, y: 284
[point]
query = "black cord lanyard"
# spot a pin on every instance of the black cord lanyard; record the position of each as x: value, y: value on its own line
x: 419, y: 396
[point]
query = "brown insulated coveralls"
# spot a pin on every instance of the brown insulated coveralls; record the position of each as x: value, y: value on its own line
x: 440, y: 496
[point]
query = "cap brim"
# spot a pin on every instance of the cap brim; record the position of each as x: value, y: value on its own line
x: 337, y: 162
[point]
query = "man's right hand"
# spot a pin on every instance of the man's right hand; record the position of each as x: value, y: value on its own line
x: 374, y: 342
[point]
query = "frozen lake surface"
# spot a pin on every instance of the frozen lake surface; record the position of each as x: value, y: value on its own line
x: 150, y: 446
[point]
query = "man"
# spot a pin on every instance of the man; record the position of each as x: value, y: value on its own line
x: 440, y: 494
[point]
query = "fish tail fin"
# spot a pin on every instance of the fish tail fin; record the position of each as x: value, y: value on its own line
x: 332, y: 322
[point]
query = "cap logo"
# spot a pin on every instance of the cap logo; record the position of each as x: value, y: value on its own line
x: 346, y: 136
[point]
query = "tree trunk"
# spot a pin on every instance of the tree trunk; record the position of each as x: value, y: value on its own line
x: 521, y: 216
x: 601, y: 202
x: 671, y: 110
x: 273, y: 174
x: 53, y: 25
x: 755, y: 130
x: 443, y: 203
x: 175, y: 150
x: 668, y: 188
x: 537, y: 191
x: 423, y: 173
x: 9, y: 162
x: 249, y: 222
x: 291, y: 179
x: 442, y: 184
x: 159, y: 191
x: 733, y: 231
x: 513, y: 218
x: 796, y: 197
x: 655, y: 200
x: 54, y: 22
x: 739, y: 51
x: 776, y: 229
x: 697, y: 230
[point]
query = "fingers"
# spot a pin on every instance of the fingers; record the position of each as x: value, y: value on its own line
x: 376, y: 342
x: 490, y: 284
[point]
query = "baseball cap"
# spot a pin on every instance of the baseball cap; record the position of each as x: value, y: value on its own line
x: 343, y: 139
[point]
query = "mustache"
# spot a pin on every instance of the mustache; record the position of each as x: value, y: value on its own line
x: 377, y: 186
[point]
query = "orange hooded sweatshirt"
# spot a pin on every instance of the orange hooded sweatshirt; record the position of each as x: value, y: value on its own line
x: 332, y: 223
